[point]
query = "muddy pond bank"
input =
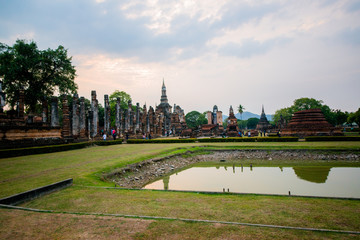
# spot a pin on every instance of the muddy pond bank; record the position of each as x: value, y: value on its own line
x: 139, y: 174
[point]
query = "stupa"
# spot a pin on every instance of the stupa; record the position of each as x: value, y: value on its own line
x: 263, y: 124
x: 232, y: 129
x: 310, y: 122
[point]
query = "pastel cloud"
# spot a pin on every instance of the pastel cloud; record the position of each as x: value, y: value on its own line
x: 217, y: 52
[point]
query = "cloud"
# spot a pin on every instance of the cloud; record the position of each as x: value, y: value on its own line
x: 250, y: 47
x: 217, y: 52
x: 350, y: 36
x: 353, y: 6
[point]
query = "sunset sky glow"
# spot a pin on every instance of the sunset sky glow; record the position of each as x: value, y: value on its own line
x: 209, y: 52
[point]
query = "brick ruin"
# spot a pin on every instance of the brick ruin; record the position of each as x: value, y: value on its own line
x: 80, y: 123
x: 263, y: 124
x: 232, y: 129
x: 310, y: 122
x: 18, y: 130
x: 214, y: 126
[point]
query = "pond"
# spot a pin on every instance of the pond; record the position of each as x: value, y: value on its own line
x: 307, y: 181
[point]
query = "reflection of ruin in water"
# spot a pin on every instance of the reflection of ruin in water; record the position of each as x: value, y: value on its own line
x: 312, y: 174
x: 310, y: 181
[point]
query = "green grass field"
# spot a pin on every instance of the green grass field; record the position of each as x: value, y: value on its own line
x: 85, y: 166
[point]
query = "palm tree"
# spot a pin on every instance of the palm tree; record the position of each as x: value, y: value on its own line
x: 241, y: 110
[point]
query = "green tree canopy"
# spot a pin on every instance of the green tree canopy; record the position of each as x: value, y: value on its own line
x: 124, y: 99
x: 194, y: 119
x: 240, y: 110
x: 40, y: 73
x: 252, y: 122
x: 354, y: 117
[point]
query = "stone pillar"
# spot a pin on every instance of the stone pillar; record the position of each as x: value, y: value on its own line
x: 161, y: 124
x: 2, y: 99
x: 144, y: 116
x: 90, y: 123
x: 209, y: 117
x: 147, y: 124
x: 75, y: 116
x: 129, y: 119
x: 54, y: 113
x: 65, y: 133
x: 118, y: 117
x: 95, y: 115
x: 21, y: 103
x: 82, y: 119
x: 106, y: 115
x: 45, y: 110
x: 137, y: 116
x: 126, y: 120
x: 219, y: 117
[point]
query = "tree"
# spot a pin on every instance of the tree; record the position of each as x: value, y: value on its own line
x: 306, y: 104
x: 285, y: 113
x: 241, y: 110
x: 124, y: 99
x: 40, y: 73
x: 354, y: 117
x: 252, y: 122
x: 241, y: 123
x: 194, y: 119
x: 341, y: 117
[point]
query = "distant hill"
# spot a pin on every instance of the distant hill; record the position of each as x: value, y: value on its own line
x: 247, y: 115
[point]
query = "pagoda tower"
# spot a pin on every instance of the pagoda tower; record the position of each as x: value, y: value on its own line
x: 263, y: 123
x: 164, y: 109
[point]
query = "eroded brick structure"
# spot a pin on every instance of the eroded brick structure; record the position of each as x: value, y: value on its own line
x: 310, y: 122
x: 214, y: 126
x: 81, y: 122
x: 263, y: 124
x: 232, y: 129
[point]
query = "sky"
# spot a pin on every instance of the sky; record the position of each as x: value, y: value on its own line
x: 224, y: 52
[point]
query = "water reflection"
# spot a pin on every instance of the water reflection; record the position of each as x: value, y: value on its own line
x: 316, y: 181
x: 312, y: 174
x: 166, y: 182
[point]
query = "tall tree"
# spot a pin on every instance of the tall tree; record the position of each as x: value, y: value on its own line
x: 124, y: 99
x: 39, y: 72
x: 252, y: 122
x: 241, y: 110
x: 354, y: 117
x: 194, y: 119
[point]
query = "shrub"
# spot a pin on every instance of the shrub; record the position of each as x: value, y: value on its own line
x: 5, y: 153
x: 230, y: 139
x: 106, y: 143
x: 331, y: 138
x: 277, y: 139
x: 139, y: 141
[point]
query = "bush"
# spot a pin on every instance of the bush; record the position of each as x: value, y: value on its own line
x: 331, y: 138
x: 106, y: 143
x: 139, y: 141
x: 5, y: 153
x: 277, y: 139
x: 230, y: 139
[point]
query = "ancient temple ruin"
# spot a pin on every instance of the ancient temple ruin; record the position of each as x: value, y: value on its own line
x: 214, y: 126
x: 263, y: 124
x: 232, y: 129
x: 310, y: 122
x: 81, y: 123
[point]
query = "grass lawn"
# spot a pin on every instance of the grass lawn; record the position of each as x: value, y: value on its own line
x: 86, y: 165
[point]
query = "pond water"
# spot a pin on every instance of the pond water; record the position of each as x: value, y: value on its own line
x: 307, y: 181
